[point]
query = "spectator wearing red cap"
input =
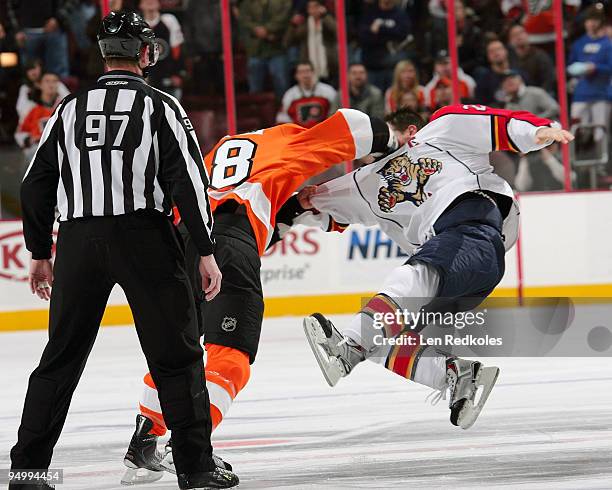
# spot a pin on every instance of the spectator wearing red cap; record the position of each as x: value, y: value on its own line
x: 442, y: 94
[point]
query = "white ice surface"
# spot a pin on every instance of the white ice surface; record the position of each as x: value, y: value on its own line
x: 548, y: 423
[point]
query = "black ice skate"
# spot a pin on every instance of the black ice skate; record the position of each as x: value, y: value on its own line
x: 142, y: 458
x: 469, y: 384
x: 168, y: 461
x: 337, y: 355
x: 218, y: 478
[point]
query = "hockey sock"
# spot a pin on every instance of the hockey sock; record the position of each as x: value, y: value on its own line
x: 150, y: 407
x: 227, y: 372
x: 382, y: 327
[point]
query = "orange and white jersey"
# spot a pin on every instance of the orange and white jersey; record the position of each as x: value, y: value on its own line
x: 263, y: 169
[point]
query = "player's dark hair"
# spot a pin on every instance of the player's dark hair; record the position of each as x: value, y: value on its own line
x: 404, y: 117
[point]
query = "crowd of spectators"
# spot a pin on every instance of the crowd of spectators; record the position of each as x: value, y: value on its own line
x: 397, y: 52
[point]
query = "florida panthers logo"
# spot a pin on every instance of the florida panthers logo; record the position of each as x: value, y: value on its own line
x: 405, y: 181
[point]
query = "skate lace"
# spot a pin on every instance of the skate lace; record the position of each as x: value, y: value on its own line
x: 440, y: 393
x: 436, y: 395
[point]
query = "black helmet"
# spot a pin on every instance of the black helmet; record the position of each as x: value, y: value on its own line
x: 124, y: 34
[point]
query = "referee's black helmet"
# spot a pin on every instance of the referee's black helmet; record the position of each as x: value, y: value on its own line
x: 124, y: 35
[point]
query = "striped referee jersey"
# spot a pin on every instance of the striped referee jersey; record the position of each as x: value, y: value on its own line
x: 115, y: 148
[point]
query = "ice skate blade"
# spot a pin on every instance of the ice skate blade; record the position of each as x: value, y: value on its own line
x: 138, y: 476
x: 168, y: 463
x: 486, y: 378
x: 330, y: 366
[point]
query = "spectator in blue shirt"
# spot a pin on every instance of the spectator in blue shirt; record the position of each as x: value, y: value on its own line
x: 590, y: 62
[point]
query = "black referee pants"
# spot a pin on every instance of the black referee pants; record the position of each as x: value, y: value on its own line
x: 141, y: 253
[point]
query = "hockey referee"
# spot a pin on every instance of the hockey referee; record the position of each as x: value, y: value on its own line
x: 113, y: 159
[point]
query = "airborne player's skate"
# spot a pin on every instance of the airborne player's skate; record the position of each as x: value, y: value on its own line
x: 465, y: 381
x: 142, y: 458
x: 469, y: 383
x: 336, y: 354
x: 167, y: 462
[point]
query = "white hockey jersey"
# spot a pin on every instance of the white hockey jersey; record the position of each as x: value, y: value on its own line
x: 405, y: 192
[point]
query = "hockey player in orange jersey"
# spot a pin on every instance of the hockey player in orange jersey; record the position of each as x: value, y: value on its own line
x: 253, y: 178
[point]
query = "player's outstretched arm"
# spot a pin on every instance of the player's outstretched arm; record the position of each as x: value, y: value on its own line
x: 545, y: 136
x: 481, y: 129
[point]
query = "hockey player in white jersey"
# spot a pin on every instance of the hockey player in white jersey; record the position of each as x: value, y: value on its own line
x: 437, y: 197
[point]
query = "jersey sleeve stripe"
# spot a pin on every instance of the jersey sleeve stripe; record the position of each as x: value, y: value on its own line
x: 503, y: 139
x: 361, y: 130
x: 493, y: 134
x: 335, y: 226
x: 500, y: 138
x: 495, y: 122
x: 511, y: 144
